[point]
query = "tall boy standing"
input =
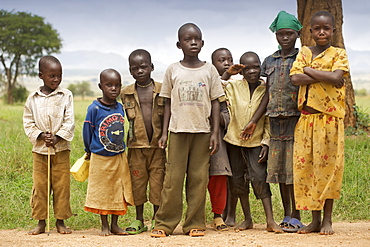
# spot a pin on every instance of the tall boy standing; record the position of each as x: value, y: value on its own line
x: 144, y: 110
x: 48, y: 121
x: 192, y: 88
x: 283, y: 113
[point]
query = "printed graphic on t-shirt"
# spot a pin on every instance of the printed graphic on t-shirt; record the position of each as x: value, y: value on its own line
x: 111, y: 133
x: 191, y: 92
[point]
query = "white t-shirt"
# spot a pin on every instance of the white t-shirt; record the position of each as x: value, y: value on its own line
x: 191, y: 91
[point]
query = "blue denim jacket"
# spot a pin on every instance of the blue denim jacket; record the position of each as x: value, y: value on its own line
x: 282, y: 94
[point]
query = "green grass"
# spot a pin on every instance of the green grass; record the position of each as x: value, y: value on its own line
x: 16, y: 179
x: 364, y: 103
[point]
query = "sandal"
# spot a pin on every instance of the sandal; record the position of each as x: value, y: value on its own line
x: 219, y: 224
x: 136, y: 227
x: 294, y: 225
x: 196, y: 233
x: 157, y: 233
x: 152, y: 225
x: 285, y: 222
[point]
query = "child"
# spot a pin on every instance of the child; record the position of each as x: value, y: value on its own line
x: 248, y: 157
x: 144, y: 110
x: 192, y: 89
x: 283, y: 113
x: 319, y: 134
x: 109, y: 188
x: 219, y: 163
x: 48, y: 121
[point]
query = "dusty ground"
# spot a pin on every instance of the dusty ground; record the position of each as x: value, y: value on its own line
x: 346, y: 234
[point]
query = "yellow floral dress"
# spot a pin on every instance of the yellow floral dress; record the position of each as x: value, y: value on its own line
x: 319, y: 138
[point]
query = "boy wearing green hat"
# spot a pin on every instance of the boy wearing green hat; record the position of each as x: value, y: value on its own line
x: 283, y: 113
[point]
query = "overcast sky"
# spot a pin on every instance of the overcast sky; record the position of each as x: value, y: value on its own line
x: 121, y: 26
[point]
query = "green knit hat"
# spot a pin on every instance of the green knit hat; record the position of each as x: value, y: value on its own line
x: 285, y: 20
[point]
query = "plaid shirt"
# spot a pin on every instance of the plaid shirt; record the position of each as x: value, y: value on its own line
x: 52, y: 112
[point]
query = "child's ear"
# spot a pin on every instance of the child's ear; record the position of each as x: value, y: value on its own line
x: 178, y: 45
x: 299, y: 34
x: 40, y: 75
x: 202, y: 43
x: 152, y: 65
x: 99, y: 85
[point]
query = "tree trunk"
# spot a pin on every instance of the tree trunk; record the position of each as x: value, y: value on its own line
x: 306, y: 8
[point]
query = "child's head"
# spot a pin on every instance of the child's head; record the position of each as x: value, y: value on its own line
x: 322, y: 27
x: 222, y: 60
x: 190, y: 39
x: 50, y: 71
x: 140, y: 65
x: 252, y: 69
x: 286, y: 28
x: 110, y: 84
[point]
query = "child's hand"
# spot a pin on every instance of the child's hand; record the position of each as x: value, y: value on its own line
x: 264, y: 154
x: 235, y: 69
x: 213, y: 144
x: 162, y: 142
x: 48, y: 138
x: 248, y: 131
x: 340, y: 83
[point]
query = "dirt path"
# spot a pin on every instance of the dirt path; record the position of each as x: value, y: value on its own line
x: 346, y: 234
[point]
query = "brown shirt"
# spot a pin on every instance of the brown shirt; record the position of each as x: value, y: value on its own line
x: 137, y: 136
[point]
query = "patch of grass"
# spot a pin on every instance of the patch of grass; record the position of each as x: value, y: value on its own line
x: 16, y: 180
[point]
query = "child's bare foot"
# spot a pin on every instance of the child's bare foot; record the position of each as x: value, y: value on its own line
x: 105, y: 231
x: 244, y: 226
x: 230, y: 222
x: 273, y: 227
x: 326, y: 228
x: 40, y: 228
x: 117, y: 230
x: 61, y: 228
x: 312, y: 227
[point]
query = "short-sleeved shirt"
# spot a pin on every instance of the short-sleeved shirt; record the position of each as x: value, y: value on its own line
x: 137, y: 134
x: 191, y: 91
x: 322, y: 96
x: 242, y: 108
x: 283, y: 94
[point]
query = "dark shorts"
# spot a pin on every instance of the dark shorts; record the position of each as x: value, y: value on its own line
x: 246, y: 169
x: 280, y: 161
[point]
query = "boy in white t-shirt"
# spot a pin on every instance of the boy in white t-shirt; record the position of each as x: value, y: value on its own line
x: 192, y: 88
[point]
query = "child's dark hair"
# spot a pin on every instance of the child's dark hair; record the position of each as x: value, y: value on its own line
x: 186, y: 25
x: 47, y: 59
x: 248, y: 54
x: 217, y: 50
x: 323, y: 13
x: 140, y: 52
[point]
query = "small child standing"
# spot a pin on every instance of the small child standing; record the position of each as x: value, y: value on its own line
x: 109, y: 187
x: 48, y: 121
x: 191, y: 88
x: 248, y: 157
x: 220, y: 170
x: 283, y: 113
x: 144, y: 110
x: 319, y: 134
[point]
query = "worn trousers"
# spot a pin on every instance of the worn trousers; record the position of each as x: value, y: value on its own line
x: 188, y: 155
x: 59, y: 185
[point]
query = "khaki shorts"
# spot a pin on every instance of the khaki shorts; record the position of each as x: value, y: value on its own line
x: 147, y: 165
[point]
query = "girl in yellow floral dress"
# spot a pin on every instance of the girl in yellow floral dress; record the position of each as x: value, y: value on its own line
x: 319, y: 134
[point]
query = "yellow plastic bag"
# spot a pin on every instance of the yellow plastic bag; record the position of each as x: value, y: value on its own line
x: 80, y: 169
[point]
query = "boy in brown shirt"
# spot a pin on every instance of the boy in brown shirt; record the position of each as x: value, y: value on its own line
x: 144, y: 110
